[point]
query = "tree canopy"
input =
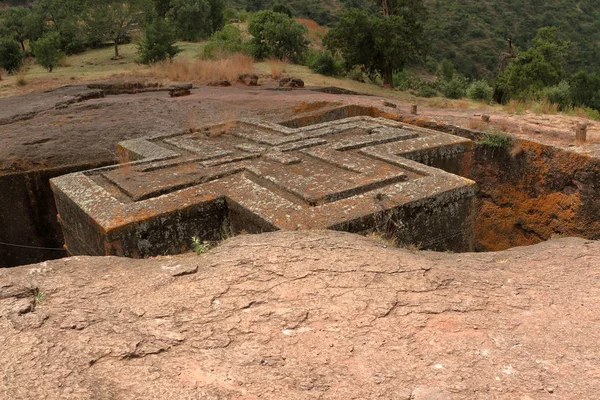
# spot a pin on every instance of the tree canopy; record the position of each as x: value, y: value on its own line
x: 114, y: 20
x: 540, y: 66
x: 196, y: 19
x: 275, y: 34
x: 380, y: 43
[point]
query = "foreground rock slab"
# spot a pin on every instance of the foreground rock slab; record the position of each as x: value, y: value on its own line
x: 306, y: 315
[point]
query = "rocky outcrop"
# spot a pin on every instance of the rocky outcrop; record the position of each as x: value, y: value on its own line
x: 305, y: 315
x: 291, y: 83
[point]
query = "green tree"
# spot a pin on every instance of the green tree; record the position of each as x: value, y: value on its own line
x: 15, y: 24
x: 585, y: 90
x: 413, y: 11
x: 47, y: 50
x: 191, y: 18
x: 64, y: 17
x: 447, y: 70
x: 255, y: 5
x: 382, y: 44
x: 115, y: 20
x: 540, y: 66
x: 11, y: 56
x: 216, y: 16
x: 22, y: 24
x: 283, y: 9
x: 157, y: 42
x: 276, y: 34
x: 161, y: 7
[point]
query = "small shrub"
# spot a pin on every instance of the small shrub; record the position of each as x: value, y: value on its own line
x: 39, y: 297
x: 544, y: 107
x: 400, y: 79
x: 480, y: 90
x: 425, y: 91
x: 559, y: 94
x: 383, y: 239
x: 418, y: 86
x: 375, y: 78
x: 446, y: 70
x: 21, y: 81
x: 157, y: 43
x: 587, y: 113
x: 225, y: 42
x: 455, y: 88
x: 47, y: 51
x: 199, y: 246
x: 230, y: 14
x: 357, y: 74
x: 11, y: 56
x: 516, y: 107
x: 496, y: 140
x: 324, y: 63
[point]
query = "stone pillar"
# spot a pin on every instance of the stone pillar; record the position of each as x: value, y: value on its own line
x: 581, y: 132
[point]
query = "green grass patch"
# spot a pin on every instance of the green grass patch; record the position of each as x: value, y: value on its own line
x: 495, y: 139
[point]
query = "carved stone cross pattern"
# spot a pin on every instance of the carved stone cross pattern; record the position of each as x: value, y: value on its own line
x: 357, y: 174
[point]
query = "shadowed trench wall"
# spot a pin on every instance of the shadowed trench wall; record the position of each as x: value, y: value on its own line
x: 530, y: 192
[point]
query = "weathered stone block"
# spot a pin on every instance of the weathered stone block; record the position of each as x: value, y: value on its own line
x: 248, y: 79
x: 291, y: 83
x: 357, y: 174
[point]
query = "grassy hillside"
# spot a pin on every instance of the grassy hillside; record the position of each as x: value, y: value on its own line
x: 472, y: 33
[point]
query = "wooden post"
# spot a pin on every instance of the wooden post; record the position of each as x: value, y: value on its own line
x: 414, y: 109
x: 581, y: 132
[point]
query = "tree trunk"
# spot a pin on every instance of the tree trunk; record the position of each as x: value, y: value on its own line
x: 388, y: 76
x: 23, y: 45
x: 117, y: 49
x: 385, y: 8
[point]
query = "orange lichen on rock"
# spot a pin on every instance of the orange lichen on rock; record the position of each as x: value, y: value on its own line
x: 532, y: 192
x: 524, y: 220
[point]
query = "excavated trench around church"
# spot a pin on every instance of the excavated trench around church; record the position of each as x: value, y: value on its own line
x: 528, y: 193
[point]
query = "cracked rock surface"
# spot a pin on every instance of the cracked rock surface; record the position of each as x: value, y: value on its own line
x: 306, y: 315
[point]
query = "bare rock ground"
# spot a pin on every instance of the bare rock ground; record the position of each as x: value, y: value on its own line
x: 306, y: 315
x: 34, y: 134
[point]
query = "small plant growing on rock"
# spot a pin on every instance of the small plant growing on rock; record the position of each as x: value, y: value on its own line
x: 496, y: 140
x: 39, y: 296
x: 200, y: 246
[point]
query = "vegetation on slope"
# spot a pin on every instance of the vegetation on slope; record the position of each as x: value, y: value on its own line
x: 549, y: 49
